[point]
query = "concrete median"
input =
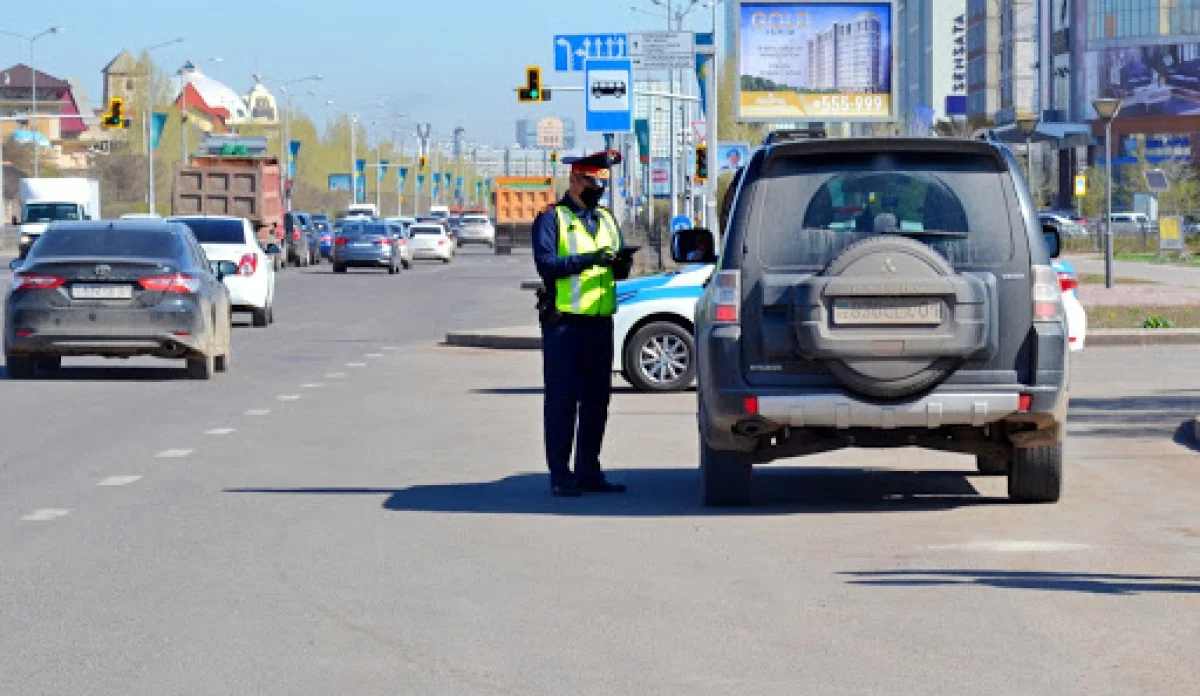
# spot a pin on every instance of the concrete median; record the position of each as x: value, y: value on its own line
x: 511, y: 338
x: 1142, y: 337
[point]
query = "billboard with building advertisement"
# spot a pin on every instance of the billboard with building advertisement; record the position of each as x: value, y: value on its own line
x: 827, y: 60
x: 1157, y: 80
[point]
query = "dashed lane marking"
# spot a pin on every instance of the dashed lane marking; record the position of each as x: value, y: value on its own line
x: 1013, y: 546
x: 289, y: 397
x: 45, y: 515
x: 220, y: 432
x: 258, y: 412
x: 374, y: 355
x: 334, y: 375
x: 119, y: 480
x: 173, y: 454
x: 356, y: 364
x: 389, y: 348
x: 313, y: 385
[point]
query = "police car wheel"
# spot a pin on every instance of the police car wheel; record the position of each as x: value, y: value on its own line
x: 661, y: 357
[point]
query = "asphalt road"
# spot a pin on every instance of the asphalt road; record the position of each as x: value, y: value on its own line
x: 356, y: 510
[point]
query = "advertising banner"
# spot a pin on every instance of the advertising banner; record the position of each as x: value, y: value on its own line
x: 642, y: 128
x: 660, y: 177
x: 827, y: 60
x: 730, y: 156
x: 1161, y: 80
x: 339, y: 182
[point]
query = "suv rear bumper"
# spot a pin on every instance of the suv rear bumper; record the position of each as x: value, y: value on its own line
x: 934, y: 410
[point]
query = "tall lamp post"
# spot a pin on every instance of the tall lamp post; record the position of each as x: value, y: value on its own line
x: 146, y: 108
x: 1107, y: 110
x: 33, y: 88
x: 1028, y: 126
x: 285, y: 147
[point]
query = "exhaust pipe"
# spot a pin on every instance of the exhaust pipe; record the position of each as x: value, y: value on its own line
x: 753, y: 427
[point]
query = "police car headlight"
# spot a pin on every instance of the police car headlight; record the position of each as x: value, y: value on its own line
x: 25, y: 239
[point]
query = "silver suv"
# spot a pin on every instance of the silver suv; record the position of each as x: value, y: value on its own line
x: 881, y: 293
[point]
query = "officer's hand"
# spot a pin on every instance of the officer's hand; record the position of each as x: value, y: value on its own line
x: 606, y: 258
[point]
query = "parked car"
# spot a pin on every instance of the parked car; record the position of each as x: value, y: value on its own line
x: 1067, y: 227
x: 1131, y: 224
x: 233, y: 239
x: 118, y: 289
x: 365, y: 244
x: 431, y: 241
x: 476, y: 229
x: 302, y: 246
x: 653, y: 331
x: 881, y: 293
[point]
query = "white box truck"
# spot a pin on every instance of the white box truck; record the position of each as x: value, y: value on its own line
x: 44, y: 201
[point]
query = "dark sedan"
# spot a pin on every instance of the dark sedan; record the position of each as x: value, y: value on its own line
x: 365, y: 243
x: 117, y: 289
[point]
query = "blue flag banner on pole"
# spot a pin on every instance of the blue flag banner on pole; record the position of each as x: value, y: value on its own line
x: 360, y: 166
x: 703, y: 63
x: 382, y: 169
x: 435, y: 190
x: 294, y: 149
x: 447, y: 179
x: 339, y: 182
x: 362, y: 189
x: 401, y: 175
x: 158, y: 120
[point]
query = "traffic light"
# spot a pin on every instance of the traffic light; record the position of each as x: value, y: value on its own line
x: 115, y: 118
x: 701, y: 163
x: 553, y: 158
x: 532, y: 91
x: 422, y: 161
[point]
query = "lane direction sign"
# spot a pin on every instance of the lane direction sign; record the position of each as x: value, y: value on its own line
x: 609, y: 85
x: 572, y: 51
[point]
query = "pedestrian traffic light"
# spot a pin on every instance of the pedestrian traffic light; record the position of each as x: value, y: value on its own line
x: 114, y: 118
x: 701, y: 163
x: 532, y: 91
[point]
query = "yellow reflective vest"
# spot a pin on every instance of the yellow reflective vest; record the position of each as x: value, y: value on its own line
x: 594, y: 291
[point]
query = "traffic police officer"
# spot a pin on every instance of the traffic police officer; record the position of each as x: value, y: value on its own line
x: 578, y: 252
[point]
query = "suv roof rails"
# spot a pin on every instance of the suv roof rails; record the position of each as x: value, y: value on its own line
x: 792, y: 134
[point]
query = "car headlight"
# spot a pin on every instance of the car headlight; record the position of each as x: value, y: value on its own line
x: 25, y: 239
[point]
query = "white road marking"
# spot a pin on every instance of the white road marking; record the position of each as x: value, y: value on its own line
x: 258, y: 412
x: 119, y: 480
x: 289, y: 397
x: 389, y: 348
x: 1013, y: 546
x: 374, y: 355
x: 45, y: 515
x: 173, y: 454
x: 356, y: 364
x: 313, y: 385
x: 220, y: 431
x: 334, y: 375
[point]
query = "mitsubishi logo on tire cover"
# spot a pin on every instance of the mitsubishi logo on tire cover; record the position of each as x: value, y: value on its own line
x: 103, y: 269
x: 888, y: 266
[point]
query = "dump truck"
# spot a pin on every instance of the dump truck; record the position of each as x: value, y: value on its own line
x: 517, y: 200
x: 233, y: 182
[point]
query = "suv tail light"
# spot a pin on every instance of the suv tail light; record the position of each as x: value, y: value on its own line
x: 174, y: 282
x: 37, y: 281
x: 1067, y: 282
x: 727, y: 297
x: 1047, y: 295
x: 248, y: 265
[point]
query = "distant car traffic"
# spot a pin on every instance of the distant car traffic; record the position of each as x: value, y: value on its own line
x: 117, y: 289
x: 1068, y: 227
x: 431, y: 241
x: 300, y: 240
x: 324, y: 231
x: 252, y: 287
x: 365, y: 244
x: 476, y: 229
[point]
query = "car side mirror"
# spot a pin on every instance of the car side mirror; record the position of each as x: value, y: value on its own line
x: 273, y: 249
x: 223, y: 268
x: 14, y: 264
x: 1053, y: 240
x: 693, y: 246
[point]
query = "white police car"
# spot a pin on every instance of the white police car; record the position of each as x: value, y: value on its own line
x: 653, y: 329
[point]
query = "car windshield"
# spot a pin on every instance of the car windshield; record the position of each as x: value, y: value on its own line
x: 475, y: 221
x: 107, y: 241
x: 813, y: 209
x: 50, y: 212
x: 425, y: 230
x: 215, y: 231
x: 352, y: 229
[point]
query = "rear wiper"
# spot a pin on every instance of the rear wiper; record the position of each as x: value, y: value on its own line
x: 929, y: 233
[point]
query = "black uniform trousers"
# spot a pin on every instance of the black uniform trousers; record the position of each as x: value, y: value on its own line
x: 577, y: 355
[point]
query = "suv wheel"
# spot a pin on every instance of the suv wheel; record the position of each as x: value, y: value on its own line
x: 660, y: 357
x: 993, y: 466
x: 1036, y: 474
x: 260, y: 317
x: 726, y: 478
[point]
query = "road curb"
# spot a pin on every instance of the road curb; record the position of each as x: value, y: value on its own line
x: 1142, y: 337
x: 517, y: 338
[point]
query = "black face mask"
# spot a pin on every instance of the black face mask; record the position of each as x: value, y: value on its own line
x: 591, y: 197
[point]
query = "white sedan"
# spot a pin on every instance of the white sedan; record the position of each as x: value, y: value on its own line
x: 655, y: 349
x: 476, y: 229
x: 233, y: 239
x: 430, y: 241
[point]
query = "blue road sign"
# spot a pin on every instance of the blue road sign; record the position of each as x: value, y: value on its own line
x: 609, y: 86
x: 681, y: 222
x: 572, y: 51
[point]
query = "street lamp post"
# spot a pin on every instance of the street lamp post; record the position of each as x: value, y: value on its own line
x: 1107, y: 109
x: 33, y: 89
x: 285, y: 147
x: 1027, y: 125
x: 146, y: 122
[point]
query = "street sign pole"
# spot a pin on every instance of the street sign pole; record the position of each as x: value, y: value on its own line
x: 711, y: 215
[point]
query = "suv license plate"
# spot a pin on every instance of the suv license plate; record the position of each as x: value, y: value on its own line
x: 884, y: 311
x: 101, y: 292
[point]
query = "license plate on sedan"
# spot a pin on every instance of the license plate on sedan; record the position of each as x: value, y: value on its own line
x: 885, y: 311
x: 101, y: 292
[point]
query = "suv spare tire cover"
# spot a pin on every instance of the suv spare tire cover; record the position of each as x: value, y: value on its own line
x: 891, y: 377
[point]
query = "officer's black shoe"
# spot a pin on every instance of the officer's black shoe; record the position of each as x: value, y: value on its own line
x: 602, y: 487
x: 565, y: 490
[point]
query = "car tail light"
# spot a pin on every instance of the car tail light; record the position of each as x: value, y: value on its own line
x: 24, y: 333
x: 341, y: 241
x: 1067, y: 282
x: 38, y: 281
x: 248, y: 265
x: 1025, y: 402
x: 174, y: 282
x: 1047, y: 295
x: 383, y: 242
x: 726, y: 297
x: 750, y: 403
x: 441, y: 242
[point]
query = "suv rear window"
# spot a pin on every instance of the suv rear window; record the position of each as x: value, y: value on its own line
x: 214, y: 231
x: 810, y: 209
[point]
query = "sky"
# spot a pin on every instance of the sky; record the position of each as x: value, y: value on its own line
x: 448, y: 62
